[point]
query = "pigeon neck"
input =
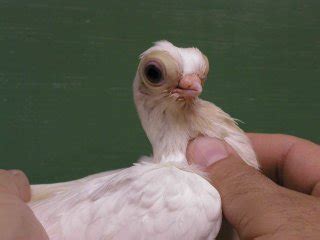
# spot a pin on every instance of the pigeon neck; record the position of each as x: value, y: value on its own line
x: 168, y: 129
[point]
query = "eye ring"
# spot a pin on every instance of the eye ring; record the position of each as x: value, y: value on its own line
x: 153, y: 72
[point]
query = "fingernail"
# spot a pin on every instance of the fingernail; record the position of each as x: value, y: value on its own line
x: 206, y: 151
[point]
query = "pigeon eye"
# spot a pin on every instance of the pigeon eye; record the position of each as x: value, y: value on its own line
x: 153, y: 73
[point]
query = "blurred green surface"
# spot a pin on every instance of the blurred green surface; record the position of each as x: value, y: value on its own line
x: 66, y: 70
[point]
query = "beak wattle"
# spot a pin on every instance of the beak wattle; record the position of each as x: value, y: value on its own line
x: 189, y: 87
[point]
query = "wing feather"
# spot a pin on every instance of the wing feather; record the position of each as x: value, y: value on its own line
x: 146, y: 201
x: 40, y: 192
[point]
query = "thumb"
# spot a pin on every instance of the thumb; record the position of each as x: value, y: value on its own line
x: 246, y: 194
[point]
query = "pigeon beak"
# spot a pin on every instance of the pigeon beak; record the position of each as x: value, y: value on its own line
x: 189, y: 87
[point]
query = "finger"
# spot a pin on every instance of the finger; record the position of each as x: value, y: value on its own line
x: 22, y: 184
x: 7, y: 184
x: 290, y: 161
x: 17, y: 221
x: 246, y: 194
x: 16, y: 183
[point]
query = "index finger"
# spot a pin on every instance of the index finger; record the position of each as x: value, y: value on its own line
x: 290, y: 161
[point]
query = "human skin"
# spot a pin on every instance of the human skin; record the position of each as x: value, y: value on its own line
x: 280, y: 202
x: 17, y: 221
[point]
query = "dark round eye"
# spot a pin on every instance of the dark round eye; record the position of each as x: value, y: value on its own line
x: 153, y: 73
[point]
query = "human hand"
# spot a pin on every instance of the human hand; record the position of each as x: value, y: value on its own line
x: 17, y: 221
x: 283, y: 205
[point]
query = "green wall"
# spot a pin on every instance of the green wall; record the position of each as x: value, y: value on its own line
x: 66, y: 69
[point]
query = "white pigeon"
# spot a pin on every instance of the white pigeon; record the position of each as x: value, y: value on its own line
x: 161, y: 197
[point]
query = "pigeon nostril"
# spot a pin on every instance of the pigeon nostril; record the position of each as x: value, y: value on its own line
x: 153, y: 73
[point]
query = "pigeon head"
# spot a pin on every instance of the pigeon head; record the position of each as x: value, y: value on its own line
x: 172, y: 74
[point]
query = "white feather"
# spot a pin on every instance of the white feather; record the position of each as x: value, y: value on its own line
x: 191, y: 59
x: 146, y: 201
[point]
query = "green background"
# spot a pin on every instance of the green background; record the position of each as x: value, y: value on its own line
x: 66, y: 70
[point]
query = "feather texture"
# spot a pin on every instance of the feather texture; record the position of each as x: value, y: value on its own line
x: 146, y: 201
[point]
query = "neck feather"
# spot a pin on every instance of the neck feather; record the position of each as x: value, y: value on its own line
x: 167, y: 125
